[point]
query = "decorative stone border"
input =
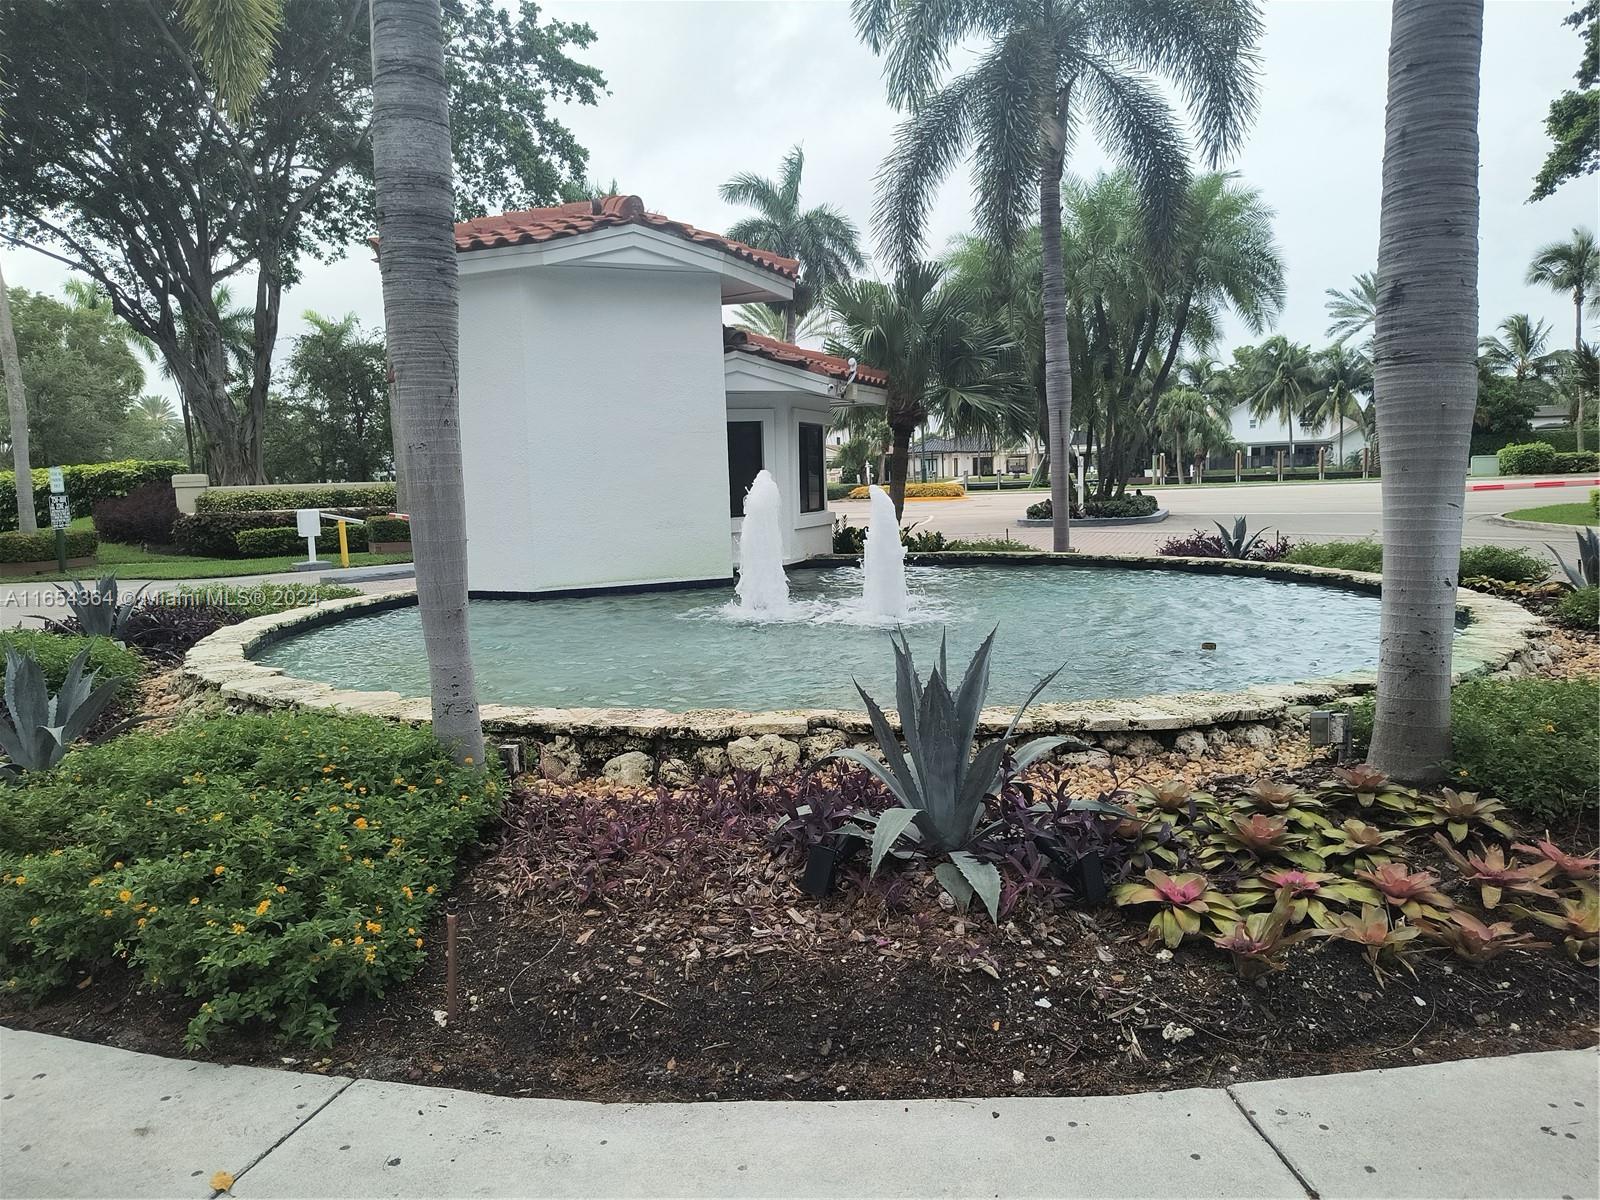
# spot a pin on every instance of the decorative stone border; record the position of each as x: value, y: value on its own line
x: 637, y: 745
x: 1154, y: 518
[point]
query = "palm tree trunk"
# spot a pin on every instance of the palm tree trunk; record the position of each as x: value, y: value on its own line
x: 900, y: 464
x: 417, y: 258
x: 1425, y: 362
x: 1057, y: 365
x: 17, y: 406
x: 791, y: 323
x: 1577, y: 350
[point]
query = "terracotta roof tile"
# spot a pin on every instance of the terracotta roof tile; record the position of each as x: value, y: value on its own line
x: 798, y: 356
x: 585, y: 216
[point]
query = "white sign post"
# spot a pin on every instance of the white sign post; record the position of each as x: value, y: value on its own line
x: 308, y: 523
x: 60, y: 515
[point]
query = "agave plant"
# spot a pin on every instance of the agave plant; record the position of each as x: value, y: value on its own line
x: 38, y: 727
x: 102, y: 612
x: 1380, y: 942
x: 1184, y: 900
x: 1587, y: 572
x: 1457, y: 812
x: 1494, y: 876
x: 1478, y: 942
x: 1415, y: 893
x: 939, y: 784
x: 1308, y: 893
x: 1577, y: 920
x: 1257, y: 942
x: 1235, y: 544
x: 1574, y: 866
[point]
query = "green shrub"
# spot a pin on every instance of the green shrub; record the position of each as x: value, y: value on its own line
x: 388, y: 529
x: 1136, y: 505
x: 1533, y: 743
x: 1361, y: 555
x: 379, y: 496
x: 269, y: 867
x: 1579, y: 609
x: 264, y: 543
x: 1505, y: 563
x: 86, y: 484
x: 259, y: 599
x: 54, y: 651
x: 41, y: 547
x: 1577, y: 462
x: 215, y: 534
x: 1594, y: 502
x: 1527, y: 458
x: 992, y: 546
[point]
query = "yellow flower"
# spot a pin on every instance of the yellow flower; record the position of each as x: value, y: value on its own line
x: 124, y: 895
x: 359, y: 940
x: 419, y: 943
x: 411, y: 787
x: 20, y: 880
x: 282, y: 889
x: 33, y: 920
x: 237, y: 927
x: 361, y: 822
x: 338, y: 941
x: 374, y: 927
x: 437, y: 780
x: 406, y: 892
x: 431, y: 889
x: 105, y: 912
x: 95, y: 882
x: 194, y: 899
x: 467, y: 760
x: 348, y: 786
x: 262, y: 907
x: 116, y: 866
x: 141, y: 922
x: 218, y: 869
x: 398, y: 781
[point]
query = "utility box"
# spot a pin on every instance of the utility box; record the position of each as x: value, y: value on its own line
x: 1483, y: 464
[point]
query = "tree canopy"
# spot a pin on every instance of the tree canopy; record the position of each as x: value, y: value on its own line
x: 1573, y: 121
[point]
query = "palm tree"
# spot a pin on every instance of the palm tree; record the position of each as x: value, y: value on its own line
x: 1519, y: 351
x: 1342, y: 378
x: 1352, y: 313
x: 822, y: 238
x: 1571, y: 266
x: 1426, y: 367
x: 17, y: 407
x: 421, y: 310
x: 1282, y: 379
x: 770, y: 322
x: 1194, y: 424
x: 1044, y: 69
x: 943, y: 360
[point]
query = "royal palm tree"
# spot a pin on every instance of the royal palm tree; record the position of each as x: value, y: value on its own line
x: 1193, y: 424
x: 1352, y: 313
x: 822, y: 238
x: 1426, y: 367
x: 1520, y: 350
x: 770, y: 322
x: 1282, y: 379
x: 1571, y: 266
x: 1342, y: 378
x: 1044, y: 70
x: 944, y: 361
x: 17, y: 408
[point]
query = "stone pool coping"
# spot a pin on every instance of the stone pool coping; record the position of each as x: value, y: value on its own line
x: 638, y: 744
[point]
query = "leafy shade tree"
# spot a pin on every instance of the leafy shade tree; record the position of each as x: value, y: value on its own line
x: 17, y: 412
x: 336, y: 408
x: 1342, y: 377
x: 1573, y: 121
x: 1574, y: 265
x: 1281, y: 380
x: 83, y: 377
x: 128, y: 153
x: 943, y: 359
x: 822, y: 238
x: 1044, y: 70
x: 421, y: 308
x: 1426, y: 368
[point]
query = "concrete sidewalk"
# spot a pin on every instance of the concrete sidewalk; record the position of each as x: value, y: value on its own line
x: 78, y: 1119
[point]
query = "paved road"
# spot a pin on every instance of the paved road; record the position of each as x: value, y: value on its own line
x: 1304, y: 511
x: 78, y: 1119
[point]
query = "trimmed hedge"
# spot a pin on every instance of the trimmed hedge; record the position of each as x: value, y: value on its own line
x: 1577, y: 463
x: 87, y: 484
x: 143, y: 517
x: 1562, y: 439
x: 215, y: 534
x: 41, y: 547
x: 291, y: 496
x: 54, y: 653
x: 1137, y: 505
x: 1527, y: 458
x: 281, y: 539
x: 919, y: 491
x: 388, y: 529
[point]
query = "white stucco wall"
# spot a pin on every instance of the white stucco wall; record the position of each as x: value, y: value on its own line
x: 593, y: 427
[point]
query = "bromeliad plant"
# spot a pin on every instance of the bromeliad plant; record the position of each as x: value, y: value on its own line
x: 1184, y: 900
x: 37, y: 727
x: 1360, y: 781
x: 1478, y: 942
x: 1573, y: 866
x: 939, y: 784
x: 1381, y: 943
x: 1458, y: 812
x: 1367, y: 845
x: 103, y: 612
x: 1415, y: 893
x: 1308, y: 894
x: 1257, y: 942
x: 1578, y: 921
x: 1494, y: 876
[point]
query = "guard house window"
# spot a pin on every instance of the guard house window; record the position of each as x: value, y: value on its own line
x: 744, y: 462
x: 813, y: 492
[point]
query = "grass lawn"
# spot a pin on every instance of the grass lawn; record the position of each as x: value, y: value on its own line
x: 1578, y: 513
x: 130, y: 562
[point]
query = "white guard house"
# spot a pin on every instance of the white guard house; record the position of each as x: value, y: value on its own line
x: 609, y: 422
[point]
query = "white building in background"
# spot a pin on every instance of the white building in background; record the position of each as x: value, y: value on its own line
x: 1262, y: 437
x: 609, y: 422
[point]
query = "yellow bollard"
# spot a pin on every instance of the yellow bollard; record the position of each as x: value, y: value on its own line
x: 344, y: 546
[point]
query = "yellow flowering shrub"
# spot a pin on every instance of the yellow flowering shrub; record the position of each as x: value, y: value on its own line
x: 949, y: 490
x: 221, y: 858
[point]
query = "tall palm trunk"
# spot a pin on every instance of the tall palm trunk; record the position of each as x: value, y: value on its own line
x: 1577, y: 350
x: 791, y: 323
x: 1057, y: 365
x: 1425, y: 362
x: 900, y: 463
x: 417, y: 257
x: 17, y: 406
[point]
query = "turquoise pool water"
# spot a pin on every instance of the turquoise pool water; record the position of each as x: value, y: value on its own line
x: 1120, y: 632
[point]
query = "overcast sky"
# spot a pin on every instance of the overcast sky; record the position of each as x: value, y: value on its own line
x: 701, y: 90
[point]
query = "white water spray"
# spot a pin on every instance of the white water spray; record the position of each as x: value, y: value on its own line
x: 763, y: 586
x: 883, y: 593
